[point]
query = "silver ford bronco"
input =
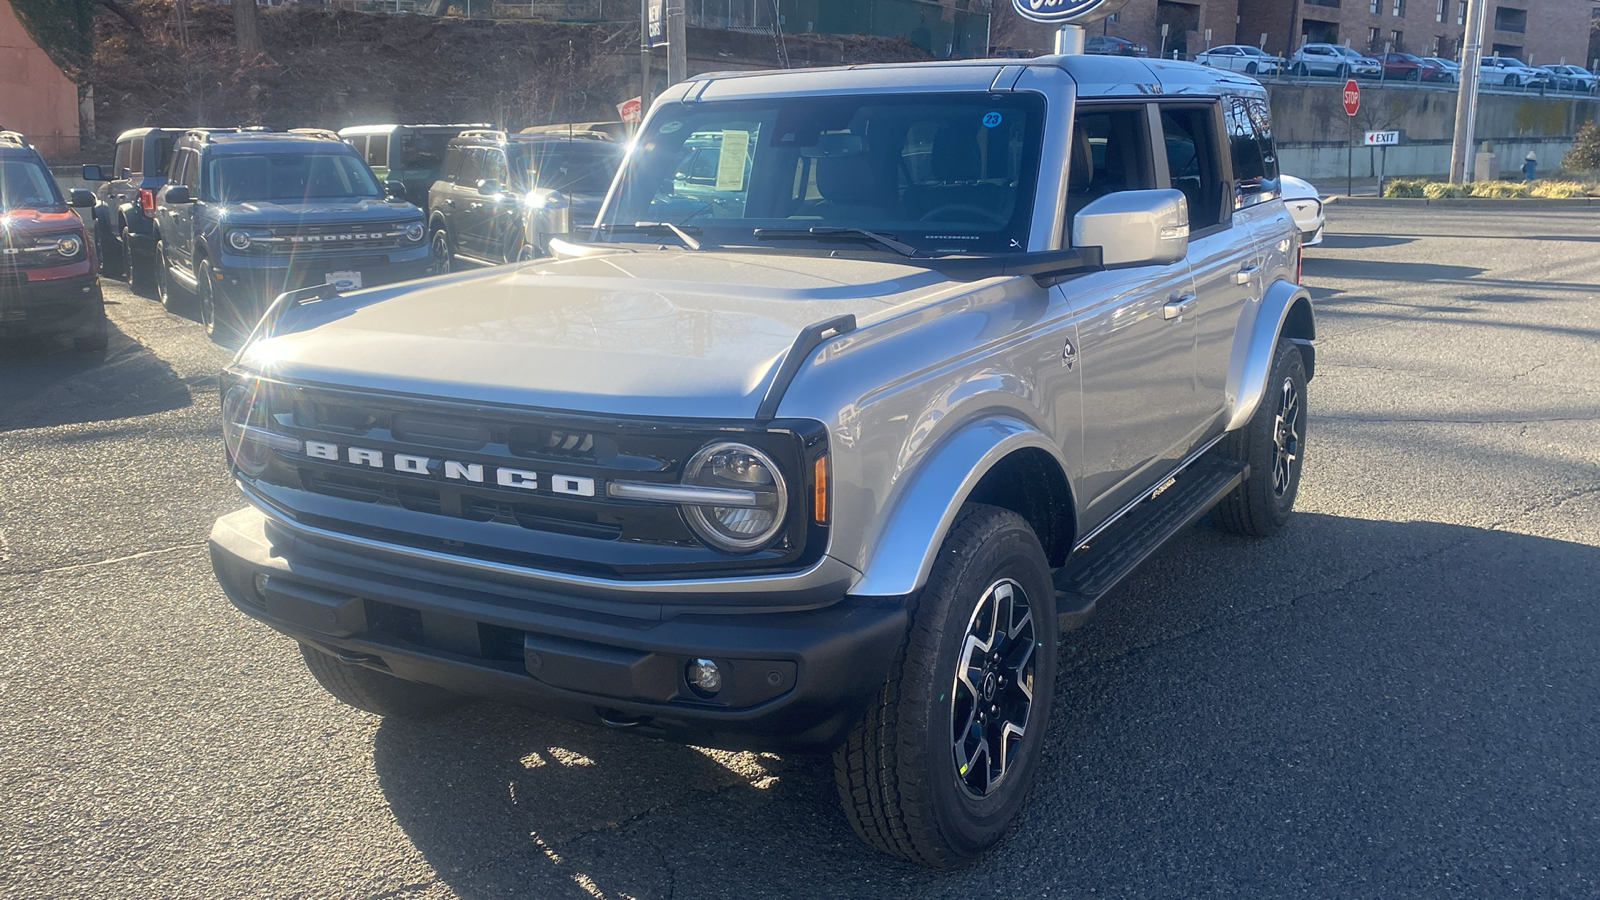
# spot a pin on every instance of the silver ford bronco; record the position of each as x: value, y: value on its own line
x: 868, y: 382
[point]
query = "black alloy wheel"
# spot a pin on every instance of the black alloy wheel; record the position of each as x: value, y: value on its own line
x: 1250, y: 68
x: 439, y: 255
x: 942, y: 762
x: 1272, y: 443
x: 992, y: 694
x: 205, y: 291
x: 164, y: 286
x: 138, y: 278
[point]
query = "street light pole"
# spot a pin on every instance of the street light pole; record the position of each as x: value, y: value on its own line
x: 677, y: 49
x: 1467, y: 94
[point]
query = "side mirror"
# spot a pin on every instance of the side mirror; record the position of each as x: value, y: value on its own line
x: 396, y: 189
x: 80, y: 197
x: 93, y: 173
x: 489, y: 187
x: 1135, y: 228
x: 176, y: 194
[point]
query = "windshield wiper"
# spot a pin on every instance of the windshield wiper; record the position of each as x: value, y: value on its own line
x: 882, y: 240
x: 687, y: 238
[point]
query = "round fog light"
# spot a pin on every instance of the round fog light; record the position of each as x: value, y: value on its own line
x: 704, y: 677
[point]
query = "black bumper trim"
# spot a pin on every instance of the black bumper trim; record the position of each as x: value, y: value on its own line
x: 793, y: 679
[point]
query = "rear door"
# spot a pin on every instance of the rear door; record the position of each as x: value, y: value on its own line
x: 177, y: 219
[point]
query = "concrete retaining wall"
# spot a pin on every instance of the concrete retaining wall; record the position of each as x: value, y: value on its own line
x: 1327, y: 161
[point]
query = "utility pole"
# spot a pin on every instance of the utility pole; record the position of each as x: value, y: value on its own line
x: 677, y: 51
x: 1467, y: 94
x: 644, y: 56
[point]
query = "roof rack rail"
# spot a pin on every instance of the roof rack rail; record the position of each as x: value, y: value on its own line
x: 493, y: 134
x: 15, y: 138
x: 328, y: 133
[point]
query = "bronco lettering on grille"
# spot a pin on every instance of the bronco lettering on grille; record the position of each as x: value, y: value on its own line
x: 448, y: 469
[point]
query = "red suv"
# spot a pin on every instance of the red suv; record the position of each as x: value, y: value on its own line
x: 48, y: 283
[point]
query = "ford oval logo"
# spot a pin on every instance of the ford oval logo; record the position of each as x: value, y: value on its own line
x: 1067, y: 12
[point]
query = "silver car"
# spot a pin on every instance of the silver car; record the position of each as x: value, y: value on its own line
x: 1336, y: 60
x: 870, y: 381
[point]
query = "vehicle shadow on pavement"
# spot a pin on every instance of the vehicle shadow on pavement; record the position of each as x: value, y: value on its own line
x: 501, y: 800
x: 1346, y: 705
x: 1362, y: 241
x: 42, y: 384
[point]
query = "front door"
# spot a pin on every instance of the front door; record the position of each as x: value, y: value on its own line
x: 1134, y: 350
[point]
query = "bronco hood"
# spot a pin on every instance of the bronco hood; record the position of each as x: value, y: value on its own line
x: 316, y: 212
x: 662, y: 333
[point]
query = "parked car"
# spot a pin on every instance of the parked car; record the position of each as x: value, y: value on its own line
x: 501, y: 197
x: 247, y: 215
x: 617, y: 131
x: 1111, y: 45
x: 1508, y: 71
x: 125, y: 204
x: 48, y: 285
x: 1305, y: 207
x: 828, y: 472
x: 409, y: 154
x: 1451, y: 68
x: 1572, y: 78
x: 1406, y: 67
x: 1336, y: 60
x: 1241, y: 58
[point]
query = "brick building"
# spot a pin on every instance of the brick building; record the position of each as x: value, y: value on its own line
x: 39, y: 99
x: 1540, y: 31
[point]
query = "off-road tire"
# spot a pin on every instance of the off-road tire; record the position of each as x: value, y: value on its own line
x: 441, y: 252
x: 896, y: 772
x: 374, y: 691
x: 166, y: 291
x: 110, y: 264
x: 1258, y: 507
x: 141, y: 280
x: 208, y: 307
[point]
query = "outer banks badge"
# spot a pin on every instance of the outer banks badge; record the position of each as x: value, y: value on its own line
x: 1067, y: 12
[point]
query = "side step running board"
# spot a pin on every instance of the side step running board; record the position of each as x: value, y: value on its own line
x: 1092, y: 572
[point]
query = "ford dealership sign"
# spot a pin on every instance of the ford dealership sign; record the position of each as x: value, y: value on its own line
x: 1067, y: 12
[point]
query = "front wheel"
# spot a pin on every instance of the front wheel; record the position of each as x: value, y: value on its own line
x: 166, y: 290
x: 1250, y: 68
x: 1342, y: 72
x: 942, y: 762
x: 1413, y: 75
x: 1273, y: 444
x: 1511, y: 81
x: 206, y: 294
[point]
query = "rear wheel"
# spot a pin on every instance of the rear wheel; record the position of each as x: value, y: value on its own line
x: 439, y: 252
x: 1342, y: 72
x: 1273, y: 444
x: 1301, y: 70
x: 166, y: 289
x: 138, y: 274
x: 375, y: 691
x: 943, y: 761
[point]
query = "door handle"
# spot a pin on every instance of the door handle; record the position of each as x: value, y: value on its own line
x: 1177, y: 306
x: 1244, y: 275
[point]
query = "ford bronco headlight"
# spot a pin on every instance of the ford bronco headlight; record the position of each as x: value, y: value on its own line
x: 414, y: 232
x: 242, y: 238
x: 69, y: 246
x: 243, y: 419
x: 748, y: 511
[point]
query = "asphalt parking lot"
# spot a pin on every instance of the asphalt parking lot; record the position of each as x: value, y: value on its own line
x: 1398, y: 696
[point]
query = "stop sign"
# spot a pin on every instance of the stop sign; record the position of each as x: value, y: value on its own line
x: 1352, y: 97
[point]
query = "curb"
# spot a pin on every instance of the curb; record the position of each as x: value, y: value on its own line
x: 1539, y: 203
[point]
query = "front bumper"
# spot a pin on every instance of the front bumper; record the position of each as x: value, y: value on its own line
x: 50, y: 307
x: 795, y: 679
x: 251, y: 283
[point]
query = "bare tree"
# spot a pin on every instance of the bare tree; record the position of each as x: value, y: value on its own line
x: 247, y: 28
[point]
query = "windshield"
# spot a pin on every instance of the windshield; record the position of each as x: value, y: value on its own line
x: 25, y: 184
x: 941, y: 172
x: 584, y: 166
x: 287, y: 177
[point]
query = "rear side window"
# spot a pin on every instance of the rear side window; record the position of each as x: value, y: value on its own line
x: 378, y: 150
x: 162, y: 155
x: 1194, y: 161
x: 1255, y: 165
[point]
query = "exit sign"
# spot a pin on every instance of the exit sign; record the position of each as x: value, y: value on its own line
x: 1381, y: 138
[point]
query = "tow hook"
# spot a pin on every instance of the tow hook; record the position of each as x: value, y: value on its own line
x: 614, y: 719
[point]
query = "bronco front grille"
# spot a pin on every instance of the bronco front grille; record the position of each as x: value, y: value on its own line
x: 429, y: 474
x: 344, y: 238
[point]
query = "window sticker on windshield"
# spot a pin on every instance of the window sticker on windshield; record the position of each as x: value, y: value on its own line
x: 730, y: 162
x: 991, y: 119
x: 671, y: 127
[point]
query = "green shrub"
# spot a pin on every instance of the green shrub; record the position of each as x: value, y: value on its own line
x: 1444, y: 190
x: 1403, y: 189
x: 1500, y: 190
x: 1559, y: 190
x: 1585, y: 153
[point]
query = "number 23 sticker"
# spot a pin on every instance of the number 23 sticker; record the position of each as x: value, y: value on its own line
x: 991, y: 119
